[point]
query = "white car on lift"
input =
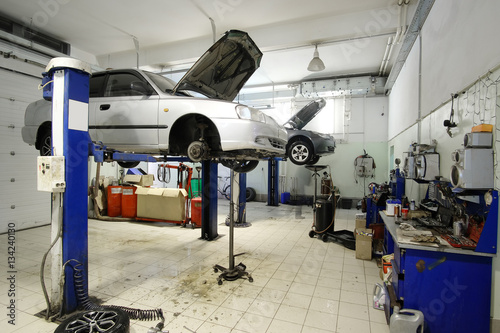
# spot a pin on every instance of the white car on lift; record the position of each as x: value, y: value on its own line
x: 136, y: 111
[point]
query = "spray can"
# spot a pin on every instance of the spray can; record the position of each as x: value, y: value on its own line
x: 412, y: 204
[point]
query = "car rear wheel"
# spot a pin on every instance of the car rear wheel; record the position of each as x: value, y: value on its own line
x: 300, y: 152
x: 243, y: 166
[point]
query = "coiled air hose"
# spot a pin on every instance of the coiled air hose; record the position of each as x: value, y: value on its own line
x: 85, y: 302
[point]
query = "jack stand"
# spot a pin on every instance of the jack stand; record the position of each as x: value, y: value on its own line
x: 233, y: 272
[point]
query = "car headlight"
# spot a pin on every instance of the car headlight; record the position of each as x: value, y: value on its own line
x: 246, y: 112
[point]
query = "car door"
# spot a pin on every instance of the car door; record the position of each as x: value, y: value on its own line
x: 125, y: 113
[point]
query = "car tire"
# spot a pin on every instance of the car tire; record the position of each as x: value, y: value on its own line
x: 251, y: 194
x: 242, y: 166
x: 300, y: 152
x: 127, y: 165
x: 314, y: 160
x: 108, y: 320
x: 46, y: 142
x: 197, y: 151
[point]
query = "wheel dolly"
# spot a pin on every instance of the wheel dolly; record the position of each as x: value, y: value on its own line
x: 233, y: 272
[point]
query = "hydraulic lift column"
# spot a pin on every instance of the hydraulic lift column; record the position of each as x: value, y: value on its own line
x: 70, y: 97
x: 240, y: 207
x: 273, y: 182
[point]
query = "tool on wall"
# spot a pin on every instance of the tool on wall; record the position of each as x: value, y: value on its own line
x: 450, y: 123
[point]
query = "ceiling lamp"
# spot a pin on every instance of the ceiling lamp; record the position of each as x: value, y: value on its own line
x: 316, y: 64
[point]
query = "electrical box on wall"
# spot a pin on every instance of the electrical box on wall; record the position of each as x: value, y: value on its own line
x: 364, y: 166
x: 50, y: 174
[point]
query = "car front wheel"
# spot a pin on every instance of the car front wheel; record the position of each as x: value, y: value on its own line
x: 314, y: 160
x: 300, y: 152
x: 243, y: 166
x: 127, y: 165
x: 197, y: 151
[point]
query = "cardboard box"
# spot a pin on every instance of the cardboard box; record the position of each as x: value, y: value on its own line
x: 141, y: 180
x: 360, y: 224
x: 363, y: 243
x: 360, y: 221
x: 161, y: 203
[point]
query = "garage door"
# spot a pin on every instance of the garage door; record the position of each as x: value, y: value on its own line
x: 21, y: 205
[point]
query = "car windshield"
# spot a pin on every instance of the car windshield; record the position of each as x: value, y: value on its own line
x: 165, y: 84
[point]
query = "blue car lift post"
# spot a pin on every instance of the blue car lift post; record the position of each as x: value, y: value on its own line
x: 69, y: 91
x: 66, y: 83
x: 273, y: 179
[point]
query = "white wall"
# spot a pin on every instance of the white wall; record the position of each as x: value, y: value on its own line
x: 459, y: 48
x: 460, y: 42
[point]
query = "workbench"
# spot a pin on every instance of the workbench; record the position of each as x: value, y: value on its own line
x: 451, y: 286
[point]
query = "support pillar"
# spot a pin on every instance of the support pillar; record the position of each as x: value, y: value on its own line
x: 241, y: 200
x: 70, y: 97
x: 273, y: 179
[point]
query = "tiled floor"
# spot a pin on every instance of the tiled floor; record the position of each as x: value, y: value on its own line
x: 301, y: 284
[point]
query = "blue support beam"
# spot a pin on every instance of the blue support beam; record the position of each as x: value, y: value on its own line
x: 273, y: 179
x: 242, y: 199
x: 69, y: 92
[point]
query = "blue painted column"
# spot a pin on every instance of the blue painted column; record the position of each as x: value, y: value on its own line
x: 209, y: 179
x: 273, y: 179
x: 70, y: 97
x: 242, y: 199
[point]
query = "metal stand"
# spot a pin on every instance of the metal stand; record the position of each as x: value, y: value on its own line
x: 233, y: 272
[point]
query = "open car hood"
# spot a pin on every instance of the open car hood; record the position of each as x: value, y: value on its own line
x: 306, y: 114
x: 223, y: 70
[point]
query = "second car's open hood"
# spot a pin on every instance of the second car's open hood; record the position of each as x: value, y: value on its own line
x: 223, y: 70
x: 306, y: 114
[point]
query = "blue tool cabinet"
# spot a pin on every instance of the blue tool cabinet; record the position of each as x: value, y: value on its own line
x: 452, y: 287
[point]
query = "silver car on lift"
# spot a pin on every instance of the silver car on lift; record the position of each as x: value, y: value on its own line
x: 137, y: 111
x: 304, y: 146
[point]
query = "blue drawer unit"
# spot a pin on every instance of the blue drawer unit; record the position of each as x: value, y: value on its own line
x: 451, y: 286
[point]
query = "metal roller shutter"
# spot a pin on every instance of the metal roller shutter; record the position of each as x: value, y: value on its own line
x: 20, y: 202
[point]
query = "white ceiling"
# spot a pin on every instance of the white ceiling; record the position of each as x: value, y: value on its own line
x: 352, y: 35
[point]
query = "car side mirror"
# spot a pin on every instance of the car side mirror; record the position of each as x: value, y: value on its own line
x: 140, y: 87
